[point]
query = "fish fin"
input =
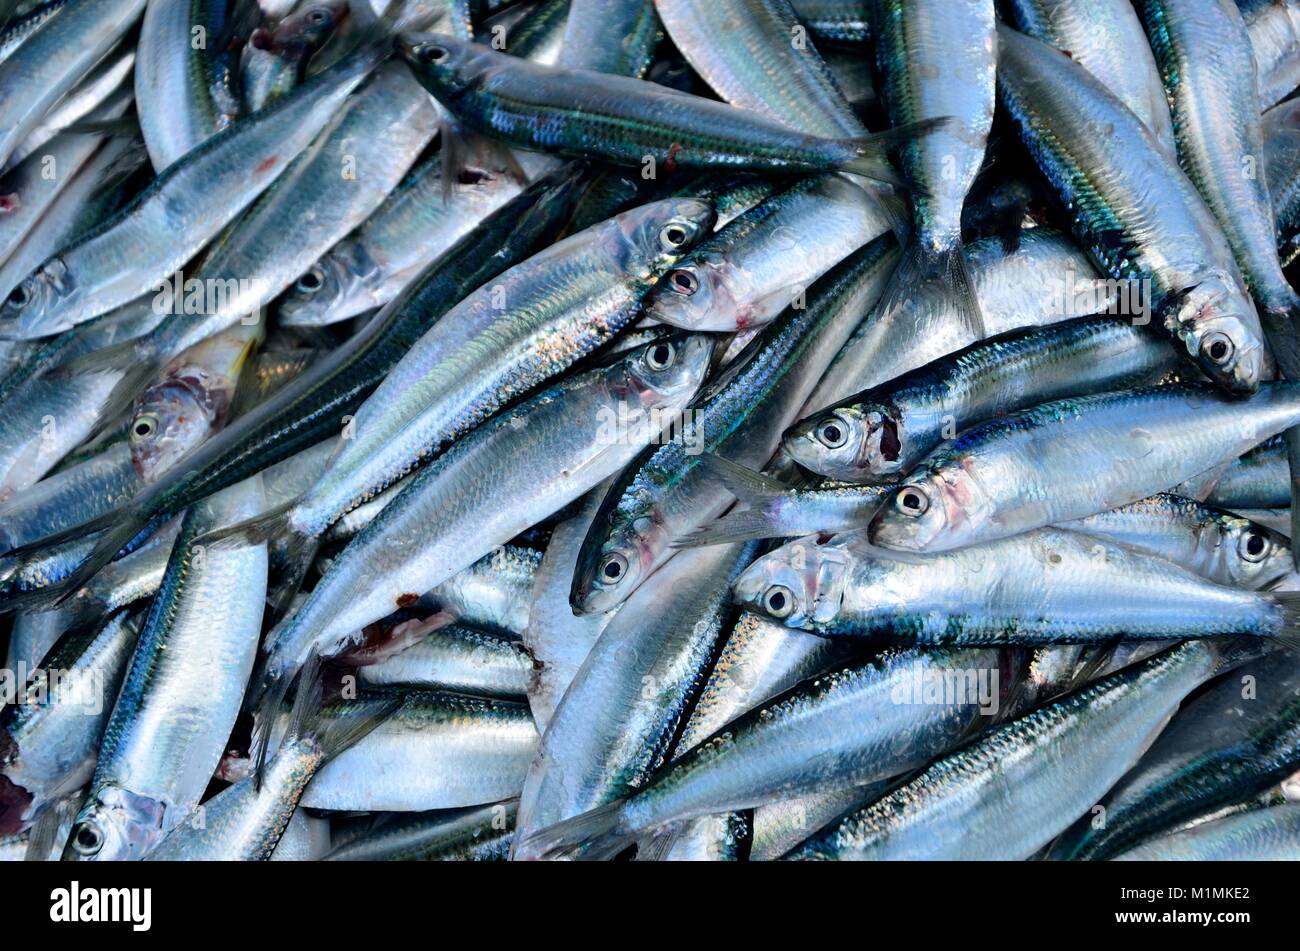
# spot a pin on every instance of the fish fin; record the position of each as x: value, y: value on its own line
x: 750, y: 487
x: 656, y: 846
x: 754, y: 490
x: 1289, y: 635
x: 135, y: 360
x: 123, y: 127
x: 743, y: 526
x: 106, y: 549
x: 593, y: 836
x: 920, y: 265
x: 334, y: 735
x: 269, y: 700
x: 44, y: 832
x: 872, y: 162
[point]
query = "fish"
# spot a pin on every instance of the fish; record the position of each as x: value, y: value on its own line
x: 50, y: 61
x: 880, y: 435
x: 472, y: 834
x: 1230, y: 742
x: 622, y: 120
x: 207, y: 616
x: 275, y: 60
x: 743, y: 276
x: 1271, y: 834
x: 950, y: 810
x: 90, y: 277
x: 1107, y: 39
x: 952, y: 498
x: 1195, y: 289
x: 380, y: 571
x: 48, y: 744
x: 937, y: 60
x: 848, y: 588
x: 187, y: 78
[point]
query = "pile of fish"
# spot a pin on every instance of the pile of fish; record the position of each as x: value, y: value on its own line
x: 651, y: 429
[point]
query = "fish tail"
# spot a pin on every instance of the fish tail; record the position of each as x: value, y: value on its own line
x: 593, y: 836
x: 335, y: 734
x: 1288, y: 634
x: 872, y: 150
x: 117, y: 536
x: 757, y: 492
x: 921, y: 264
x: 136, y: 360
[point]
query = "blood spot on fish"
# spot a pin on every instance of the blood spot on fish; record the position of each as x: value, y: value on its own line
x: 267, y: 165
x: 406, y: 600
x: 10, y: 203
x: 670, y: 164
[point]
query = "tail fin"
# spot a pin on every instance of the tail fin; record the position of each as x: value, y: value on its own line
x: 1289, y: 633
x: 117, y: 537
x: 872, y: 150
x: 334, y: 734
x: 757, y: 492
x: 919, y: 265
x: 595, y: 836
x: 134, y: 360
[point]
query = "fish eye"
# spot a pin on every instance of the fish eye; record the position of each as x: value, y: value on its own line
x: 1217, y: 348
x: 660, y: 356
x: 673, y: 236
x: 435, y: 54
x: 87, y: 840
x: 613, y: 568
x: 312, y: 281
x: 317, y: 17
x: 911, y: 501
x: 779, y: 601
x: 684, y: 282
x: 144, y: 427
x: 832, y: 434
x: 1253, y: 546
x: 20, y: 296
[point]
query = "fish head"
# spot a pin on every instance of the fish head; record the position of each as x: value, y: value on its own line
x: 697, y: 295
x: 322, y: 287
x: 670, y: 370
x: 801, y: 584
x: 618, y: 553
x: 1217, y: 323
x: 445, y: 66
x: 1251, y: 555
x: 932, y: 511
x: 658, y: 235
x: 854, y: 442
x: 175, y: 416
x: 114, y: 825
x: 308, y: 29
x: 32, y: 308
